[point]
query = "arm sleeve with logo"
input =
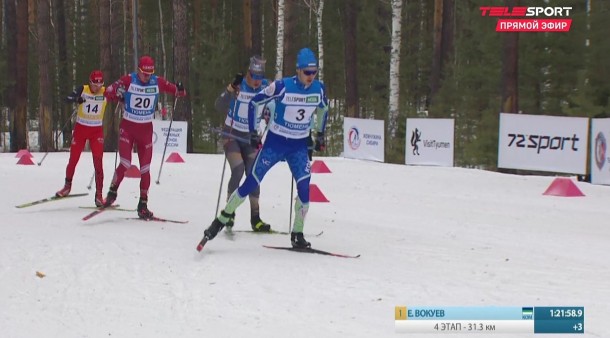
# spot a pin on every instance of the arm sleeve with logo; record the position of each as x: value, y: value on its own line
x: 265, y: 95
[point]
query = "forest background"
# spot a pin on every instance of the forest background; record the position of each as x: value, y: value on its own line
x: 381, y: 59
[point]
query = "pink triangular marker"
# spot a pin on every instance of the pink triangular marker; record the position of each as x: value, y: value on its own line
x: 316, y: 195
x: 319, y: 167
x: 175, y: 158
x: 25, y: 160
x: 133, y: 172
x: 22, y: 152
x: 563, y: 187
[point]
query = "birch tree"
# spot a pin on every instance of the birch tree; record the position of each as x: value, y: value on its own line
x: 319, y: 12
x: 279, y: 59
x: 395, y: 68
x: 318, y: 8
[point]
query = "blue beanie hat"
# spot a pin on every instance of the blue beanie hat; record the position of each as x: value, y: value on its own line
x: 306, y: 58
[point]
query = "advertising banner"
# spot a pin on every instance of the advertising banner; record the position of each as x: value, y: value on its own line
x: 363, y: 139
x: 429, y: 142
x: 600, y: 158
x: 177, y: 136
x: 545, y: 143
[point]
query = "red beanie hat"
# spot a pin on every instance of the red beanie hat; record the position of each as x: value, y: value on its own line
x: 96, y: 77
x: 146, y: 65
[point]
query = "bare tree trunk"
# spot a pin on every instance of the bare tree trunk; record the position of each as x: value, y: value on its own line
x: 11, y: 51
x: 62, y: 60
x: 510, y: 69
x: 281, y: 21
x: 110, y: 141
x: 290, y: 48
x: 19, y: 125
x: 164, y: 55
x: 247, y: 24
x: 45, y: 129
x: 163, y: 52
x: 395, y: 69
x: 181, y: 66
x: 351, y: 59
x: 435, y: 76
x: 2, y: 20
x: 257, y: 30
x: 447, y: 33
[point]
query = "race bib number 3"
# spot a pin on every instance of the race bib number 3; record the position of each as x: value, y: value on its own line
x: 298, y: 114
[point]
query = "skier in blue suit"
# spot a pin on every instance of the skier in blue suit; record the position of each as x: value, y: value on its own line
x: 296, y: 99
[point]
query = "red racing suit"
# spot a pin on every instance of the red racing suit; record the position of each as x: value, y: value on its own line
x: 139, y: 100
x: 88, y: 127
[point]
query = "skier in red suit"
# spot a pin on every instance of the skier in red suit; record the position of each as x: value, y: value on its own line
x: 88, y: 127
x: 139, y: 91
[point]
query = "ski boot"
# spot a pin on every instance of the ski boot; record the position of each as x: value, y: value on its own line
x: 65, y: 191
x: 298, y: 241
x: 99, y: 200
x: 143, y: 211
x: 258, y: 225
x: 216, y: 226
x: 111, y: 197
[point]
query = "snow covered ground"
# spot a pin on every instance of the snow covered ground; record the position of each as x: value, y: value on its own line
x: 428, y: 236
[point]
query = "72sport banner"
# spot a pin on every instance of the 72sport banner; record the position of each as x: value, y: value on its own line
x: 545, y: 143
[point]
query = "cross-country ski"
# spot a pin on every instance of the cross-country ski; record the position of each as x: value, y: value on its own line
x: 48, y: 199
x: 310, y: 250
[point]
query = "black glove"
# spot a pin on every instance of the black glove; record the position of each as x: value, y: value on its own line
x: 239, y: 77
x: 310, y: 147
x: 255, y: 140
x: 80, y: 100
x: 320, y: 143
x: 180, y: 91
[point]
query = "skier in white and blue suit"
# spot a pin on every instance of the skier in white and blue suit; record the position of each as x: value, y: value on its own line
x: 296, y: 98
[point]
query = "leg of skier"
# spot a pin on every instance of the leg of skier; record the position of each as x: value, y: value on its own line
x: 299, y: 164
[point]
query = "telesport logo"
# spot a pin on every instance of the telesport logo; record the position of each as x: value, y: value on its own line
x: 537, y: 19
x: 353, y: 138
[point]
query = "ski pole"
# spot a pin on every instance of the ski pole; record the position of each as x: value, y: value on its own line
x: 167, y: 140
x: 91, y: 181
x: 116, y: 150
x: 57, y: 136
x: 236, y: 82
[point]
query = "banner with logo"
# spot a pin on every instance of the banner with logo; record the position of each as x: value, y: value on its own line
x: 363, y: 139
x: 429, y: 142
x: 177, y: 136
x: 600, y: 157
x: 545, y: 143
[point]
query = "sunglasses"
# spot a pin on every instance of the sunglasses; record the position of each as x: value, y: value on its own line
x: 310, y: 72
x: 97, y: 83
x: 145, y: 73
